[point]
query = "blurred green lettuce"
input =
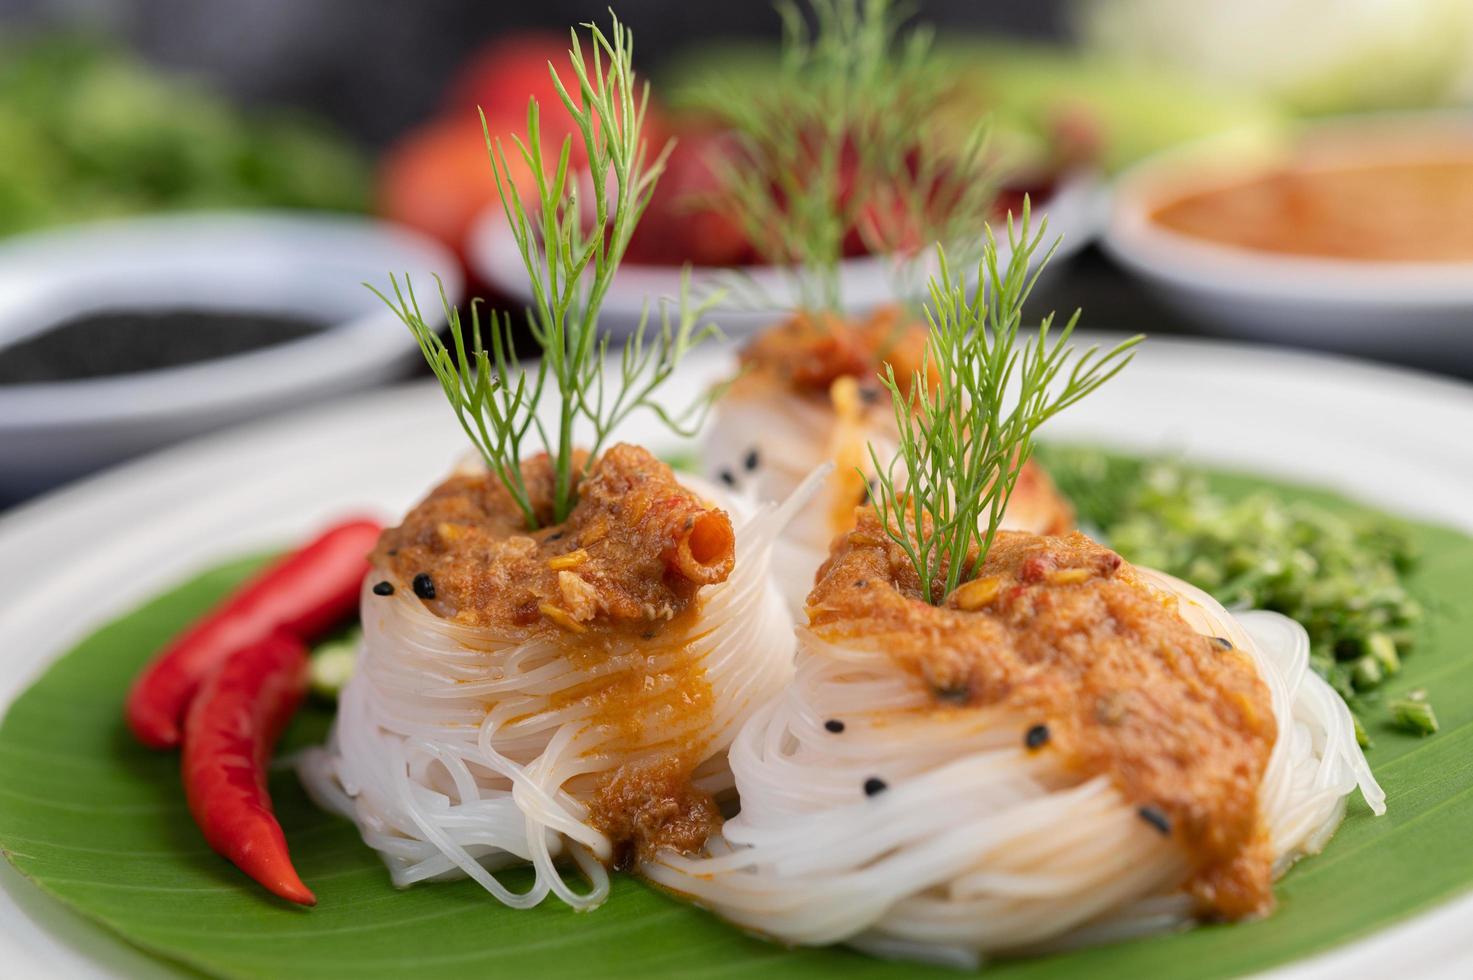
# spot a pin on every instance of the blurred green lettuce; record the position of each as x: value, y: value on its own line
x: 1311, y: 56
x: 91, y: 132
x: 1038, y: 96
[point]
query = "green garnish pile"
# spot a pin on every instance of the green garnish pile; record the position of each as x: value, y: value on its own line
x: 88, y: 132
x: 571, y: 248
x: 1413, y: 713
x: 1339, y: 575
x: 332, y: 662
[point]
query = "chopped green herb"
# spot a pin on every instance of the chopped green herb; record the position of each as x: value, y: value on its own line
x: 1413, y: 713
x: 683, y: 460
x: 1338, y: 574
x: 332, y: 662
x: 1366, y: 673
x: 1361, y: 738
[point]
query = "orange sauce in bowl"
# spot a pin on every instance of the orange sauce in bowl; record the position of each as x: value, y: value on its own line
x: 1402, y: 210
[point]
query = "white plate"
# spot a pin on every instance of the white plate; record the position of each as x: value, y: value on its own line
x: 1074, y: 215
x: 1414, y: 312
x: 1392, y: 438
x: 295, y: 262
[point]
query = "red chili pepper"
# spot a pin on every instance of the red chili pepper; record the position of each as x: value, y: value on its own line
x: 306, y: 593
x: 232, y: 725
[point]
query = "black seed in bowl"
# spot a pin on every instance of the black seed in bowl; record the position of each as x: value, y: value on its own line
x: 108, y: 343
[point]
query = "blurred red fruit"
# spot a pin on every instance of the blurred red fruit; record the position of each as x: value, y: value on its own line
x: 681, y: 225
x: 505, y: 74
x: 501, y: 76
x: 438, y: 178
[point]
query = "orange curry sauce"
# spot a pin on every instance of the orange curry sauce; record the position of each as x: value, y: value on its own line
x: 615, y: 586
x: 810, y: 351
x: 634, y: 551
x: 1061, y: 630
x: 1394, y: 211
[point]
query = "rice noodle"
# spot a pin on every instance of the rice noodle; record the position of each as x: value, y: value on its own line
x: 461, y: 751
x: 978, y: 847
x: 790, y: 435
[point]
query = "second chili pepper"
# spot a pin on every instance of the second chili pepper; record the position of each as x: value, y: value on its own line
x: 229, y: 733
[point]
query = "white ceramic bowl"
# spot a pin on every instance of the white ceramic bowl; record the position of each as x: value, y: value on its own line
x: 754, y: 293
x: 292, y: 263
x: 1415, y: 312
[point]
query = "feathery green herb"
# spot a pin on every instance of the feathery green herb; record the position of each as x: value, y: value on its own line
x: 847, y: 143
x: 960, y: 448
x: 571, y: 251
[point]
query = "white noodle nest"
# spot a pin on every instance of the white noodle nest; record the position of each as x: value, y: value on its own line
x: 458, y: 751
x: 978, y: 847
x: 790, y: 436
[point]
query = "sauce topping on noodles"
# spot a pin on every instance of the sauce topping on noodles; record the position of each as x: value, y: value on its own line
x: 821, y: 357
x: 652, y: 806
x: 652, y: 703
x: 615, y: 586
x: 810, y: 351
x: 1061, y: 631
x: 635, y: 550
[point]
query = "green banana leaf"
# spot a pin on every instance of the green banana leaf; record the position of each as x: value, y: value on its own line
x: 101, y: 825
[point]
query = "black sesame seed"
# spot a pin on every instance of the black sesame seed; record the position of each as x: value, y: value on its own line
x: 555, y: 536
x: 834, y: 725
x: 727, y: 477
x: 753, y: 460
x: 1223, y: 642
x: 1155, y: 818
x: 424, y: 586
x: 1037, y: 737
x: 874, y: 785
x: 392, y: 552
x: 384, y: 588
x: 648, y: 635
x: 956, y: 695
x: 860, y: 583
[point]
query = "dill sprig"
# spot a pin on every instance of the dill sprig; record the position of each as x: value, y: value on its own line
x: 571, y: 251
x: 967, y: 419
x: 846, y: 141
